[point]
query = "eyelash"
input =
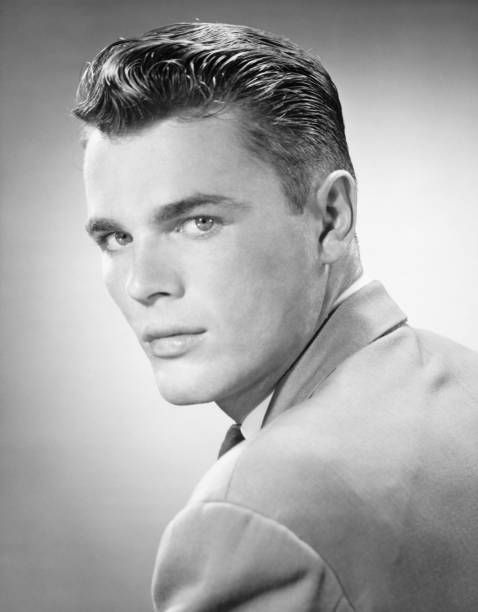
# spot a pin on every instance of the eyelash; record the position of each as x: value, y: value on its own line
x: 216, y: 223
x: 102, y: 240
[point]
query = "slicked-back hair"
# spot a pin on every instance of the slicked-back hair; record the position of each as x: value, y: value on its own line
x: 286, y: 103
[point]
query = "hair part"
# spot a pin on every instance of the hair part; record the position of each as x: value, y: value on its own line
x: 286, y: 102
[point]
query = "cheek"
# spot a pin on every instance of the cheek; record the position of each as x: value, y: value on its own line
x: 110, y: 275
x: 258, y: 289
x: 114, y: 278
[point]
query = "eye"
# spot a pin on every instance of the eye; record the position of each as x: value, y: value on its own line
x: 116, y: 241
x: 200, y: 225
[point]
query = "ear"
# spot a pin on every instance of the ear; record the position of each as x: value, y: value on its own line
x: 336, y: 205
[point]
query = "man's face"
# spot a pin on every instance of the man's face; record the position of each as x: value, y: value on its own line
x: 220, y: 281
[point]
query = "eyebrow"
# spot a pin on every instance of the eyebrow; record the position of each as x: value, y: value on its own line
x: 95, y: 225
x: 167, y: 212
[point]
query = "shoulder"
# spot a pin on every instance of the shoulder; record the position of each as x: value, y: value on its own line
x: 361, y: 421
x: 372, y: 464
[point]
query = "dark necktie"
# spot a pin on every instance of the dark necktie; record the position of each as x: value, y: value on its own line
x: 233, y: 437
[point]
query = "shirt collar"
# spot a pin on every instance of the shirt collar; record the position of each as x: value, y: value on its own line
x: 252, y: 424
x: 361, y: 281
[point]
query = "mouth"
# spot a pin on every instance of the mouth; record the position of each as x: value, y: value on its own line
x: 173, y: 343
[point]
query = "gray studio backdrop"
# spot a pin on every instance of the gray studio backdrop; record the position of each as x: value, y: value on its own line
x: 93, y: 463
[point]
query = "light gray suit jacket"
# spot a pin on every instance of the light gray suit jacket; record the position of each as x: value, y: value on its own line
x: 360, y: 493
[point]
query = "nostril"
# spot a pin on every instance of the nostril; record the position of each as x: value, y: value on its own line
x: 147, y: 289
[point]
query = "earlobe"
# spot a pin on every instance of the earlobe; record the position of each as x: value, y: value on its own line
x: 336, y: 203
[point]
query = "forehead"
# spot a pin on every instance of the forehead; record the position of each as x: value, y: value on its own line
x: 172, y: 158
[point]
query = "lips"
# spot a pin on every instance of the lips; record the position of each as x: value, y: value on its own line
x: 174, y: 342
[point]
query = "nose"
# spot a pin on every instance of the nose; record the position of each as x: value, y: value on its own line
x: 153, y: 274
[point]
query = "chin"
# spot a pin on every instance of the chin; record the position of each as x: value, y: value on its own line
x: 183, y: 382
x: 184, y: 390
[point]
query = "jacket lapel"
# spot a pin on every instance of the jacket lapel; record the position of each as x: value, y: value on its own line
x: 359, y: 320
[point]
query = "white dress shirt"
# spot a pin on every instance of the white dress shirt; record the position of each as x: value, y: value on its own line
x: 252, y: 424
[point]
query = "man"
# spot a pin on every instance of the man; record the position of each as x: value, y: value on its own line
x: 221, y: 193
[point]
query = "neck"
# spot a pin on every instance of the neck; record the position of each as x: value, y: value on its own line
x: 239, y: 405
x: 339, y: 277
x: 342, y: 274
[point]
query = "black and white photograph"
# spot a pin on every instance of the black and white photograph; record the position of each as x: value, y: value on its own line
x: 239, y: 306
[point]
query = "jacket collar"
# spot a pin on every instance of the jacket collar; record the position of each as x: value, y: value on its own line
x: 359, y: 320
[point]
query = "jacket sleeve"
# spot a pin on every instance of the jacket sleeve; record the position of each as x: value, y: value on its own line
x: 220, y: 557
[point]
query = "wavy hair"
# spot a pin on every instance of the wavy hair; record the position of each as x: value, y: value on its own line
x: 287, y: 104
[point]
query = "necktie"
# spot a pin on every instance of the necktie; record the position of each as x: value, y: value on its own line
x: 233, y: 437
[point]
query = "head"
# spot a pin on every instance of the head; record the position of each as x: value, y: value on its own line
x: 221, y: 192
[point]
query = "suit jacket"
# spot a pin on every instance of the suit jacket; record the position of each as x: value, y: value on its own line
x: 359, y: 493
